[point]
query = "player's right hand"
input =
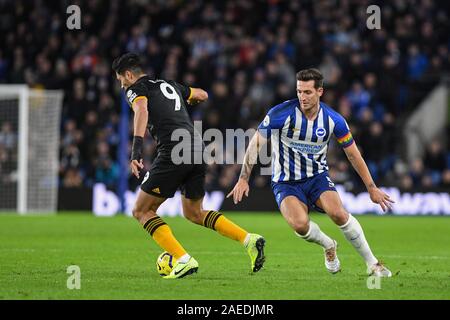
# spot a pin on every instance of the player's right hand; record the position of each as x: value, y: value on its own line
x: 136, y: 166
x: 239, y: 190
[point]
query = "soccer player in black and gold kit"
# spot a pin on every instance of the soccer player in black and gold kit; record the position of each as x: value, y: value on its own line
x: 160, y: 106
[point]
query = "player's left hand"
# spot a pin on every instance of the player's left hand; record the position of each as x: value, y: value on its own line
x: 136, y: 166
x: 381, y: 198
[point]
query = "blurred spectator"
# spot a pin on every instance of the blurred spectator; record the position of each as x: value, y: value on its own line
x: 359, y: 98
x: 435, y: 158
x: 417, y: 62
x: 406, y: 182
x: 72, y: 179
x: 107, y: 172
x: 70, y: 158
x: 435, y: 161
x: 417, y: 171
x: 330, y: 70
x: 259, y: 92
x: 446, y: 179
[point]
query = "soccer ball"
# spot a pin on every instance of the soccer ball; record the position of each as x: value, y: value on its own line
x: 165, y: 263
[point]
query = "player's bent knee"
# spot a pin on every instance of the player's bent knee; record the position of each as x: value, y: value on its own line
x: 136, y: 213
x: 143, y: 216
x: 195, y: 216
x: 339, y: 216
x: 139, y: 214
x: 301, y: 226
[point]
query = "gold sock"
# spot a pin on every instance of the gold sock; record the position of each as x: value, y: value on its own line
x: 164, y: 237
x: 216, y: 221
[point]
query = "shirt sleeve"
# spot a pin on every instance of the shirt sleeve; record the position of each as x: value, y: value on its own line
x: 342, y: 132
x: 273, y: 120
x: 135, y: 93
x: 184, y: 90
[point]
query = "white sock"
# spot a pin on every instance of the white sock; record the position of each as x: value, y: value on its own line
x: 184, y: 258
x: 316, y: 235
x: 354, y: 233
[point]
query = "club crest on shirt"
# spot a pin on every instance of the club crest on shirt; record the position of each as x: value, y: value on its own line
x: 321, y: 132
x: 131, y: 95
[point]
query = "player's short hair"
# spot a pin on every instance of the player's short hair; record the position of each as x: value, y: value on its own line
x: 129, y: 61
x: 311, y: 74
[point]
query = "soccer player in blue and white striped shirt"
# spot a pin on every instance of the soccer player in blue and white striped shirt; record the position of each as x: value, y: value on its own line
x: 300, y: 131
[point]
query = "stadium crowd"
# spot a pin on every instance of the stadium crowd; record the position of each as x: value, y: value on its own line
x: 245, y: 54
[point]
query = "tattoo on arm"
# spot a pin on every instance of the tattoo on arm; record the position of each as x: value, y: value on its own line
x: 246, y: 171
x: 250, y: 158
x: 249, y: 162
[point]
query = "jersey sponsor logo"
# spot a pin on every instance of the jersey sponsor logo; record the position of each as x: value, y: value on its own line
x: 306, y: 148
x: 266, y: 121
x: 321, y: 132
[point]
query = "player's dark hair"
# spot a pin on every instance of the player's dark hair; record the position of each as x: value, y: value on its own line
x: 311, y: 74
x: 129, y: 61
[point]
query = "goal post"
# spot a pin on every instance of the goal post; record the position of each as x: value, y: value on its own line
x: 29, y: 148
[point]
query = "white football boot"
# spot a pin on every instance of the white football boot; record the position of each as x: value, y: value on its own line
x: 379, y: 270
x: 332, y: 262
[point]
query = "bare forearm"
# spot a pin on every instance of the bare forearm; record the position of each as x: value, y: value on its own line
x: 251, y: 156
x: 361, y: 168
x: 248, y: 164
x: 140, y: 122
x: 358, y: 163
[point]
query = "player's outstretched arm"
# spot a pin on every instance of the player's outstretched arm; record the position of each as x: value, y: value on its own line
x: 197, y: 95
x: 250, y: 158
x: 358, y: 163
x: 140, y: 124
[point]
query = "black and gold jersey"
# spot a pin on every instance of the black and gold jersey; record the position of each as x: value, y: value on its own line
x: 166, y: 104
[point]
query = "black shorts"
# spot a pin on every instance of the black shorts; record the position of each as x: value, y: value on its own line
x: 164, y: 178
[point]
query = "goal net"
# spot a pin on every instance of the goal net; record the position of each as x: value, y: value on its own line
x: 29, y: 143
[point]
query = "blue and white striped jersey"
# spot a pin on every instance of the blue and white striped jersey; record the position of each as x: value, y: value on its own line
x: 299, y: 145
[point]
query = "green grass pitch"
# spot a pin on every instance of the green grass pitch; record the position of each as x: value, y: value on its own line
x: 117, y: 259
